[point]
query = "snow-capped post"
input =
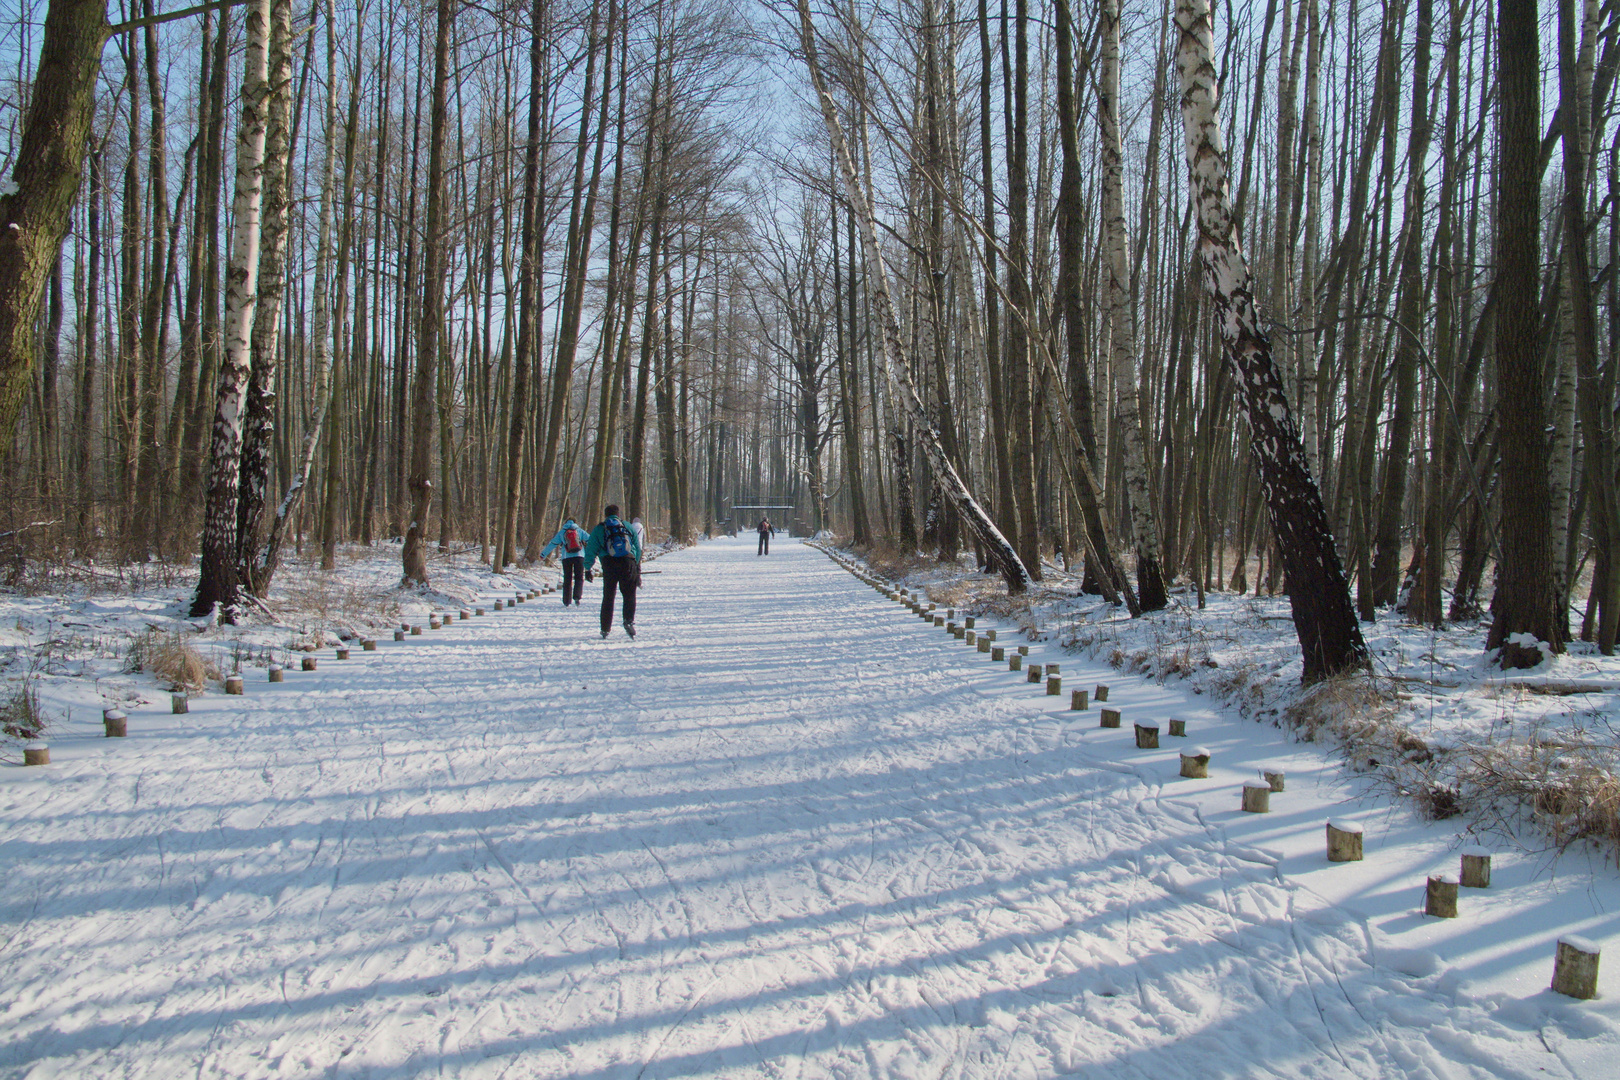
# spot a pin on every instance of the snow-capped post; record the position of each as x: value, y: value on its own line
x: 234, y: 685
x: 1440, y: 896
x: 1343, y: 841
x: 274, y: 674
x: 1329, y: 635
x: 1275, y: 779
x: 1109, y: 719
x: 368, y: 645
x: 1575, y: 967
x: 478, y: 611
x: 464, y: 614
x: 1178, y: 728
x: 1256, y: 797
x: 1034, y: 673
x: 1194, y: 763
x: 1476, y: 868
x: 1147, y: 736
x: 998, y: 653
x: 308, y: 663
x: 416, y: 630
x: 895, y: 363
x: 1079, y: 700
x: 115, y: 723
x: 1054, y: 685
x: 1102, y: 693
x: 399, y: 635
x: 342, y: 652
x: 36, y: 753
x: 179, y: 703
x: 1015, y: 662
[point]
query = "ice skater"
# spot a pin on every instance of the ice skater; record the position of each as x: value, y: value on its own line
x: 765, y: 528
x: 616, y: 545
x: 571, y: 539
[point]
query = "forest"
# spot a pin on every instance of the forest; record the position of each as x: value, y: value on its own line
x: 1272, y: 296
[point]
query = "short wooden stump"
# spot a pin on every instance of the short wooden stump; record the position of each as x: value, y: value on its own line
x: 308, y: 663
x: 1178, y: 729
x: 969, y: 637
x: 500, y: 605
x: 1256, y: 797
x: 1079, y: 700
x: 1476, y: 868
x: 968, y: 622
x: 36, y: 753
x: 1015, y: 662
x: 939, y: 620
x: 998, y: 653
x: 1054, y: 686
x: 368, y: 645
x: 1343, y: 841
x: 990, y: 635
x: 984, y: 645
x: 1101, y: 693
x: 342, y: 654
x: 959, y: 633
x: 1147, y: 736
x: 478, y: 611
x: 1052, y: 669
x: 1023, y: 650
x: 1035, y: 673
x: 178, y: 703
x: 1275, y: 779
x: 115, y: 723
x: 1110, y: 718
x: 399, y: 635
x: 1575, y: 967
x: 416, y: 631
x: 1440, y: 896
x: 235, y: 685
x: 1195, y: 763
x: 433, y: 623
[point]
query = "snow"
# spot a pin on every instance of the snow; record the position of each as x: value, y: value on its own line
x: 790, y: 831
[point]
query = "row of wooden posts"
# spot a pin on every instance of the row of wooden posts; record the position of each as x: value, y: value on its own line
x: 1575, y: 965
x: 115, y: 722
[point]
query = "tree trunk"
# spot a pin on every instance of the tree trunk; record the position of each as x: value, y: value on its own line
x: 1329, y: 636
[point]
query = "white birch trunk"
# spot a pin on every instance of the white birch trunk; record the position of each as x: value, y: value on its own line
x: 1151, y: 592
x: 217, y: 584
x: 894, y: 360
x: 1329, y: 636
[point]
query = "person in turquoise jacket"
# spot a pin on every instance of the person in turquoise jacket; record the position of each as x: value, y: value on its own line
x: 617, y: 545
x: 571, y: 539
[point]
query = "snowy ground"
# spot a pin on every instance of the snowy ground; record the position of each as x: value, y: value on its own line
x: 788, y: 831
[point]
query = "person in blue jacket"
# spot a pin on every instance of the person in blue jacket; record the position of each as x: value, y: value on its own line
x: 617, y: 545
x: 571, y: 540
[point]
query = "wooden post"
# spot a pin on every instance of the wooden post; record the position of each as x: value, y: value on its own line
x: 1054, y: 686
x: 399, y: 635
x: 1110, y: 718
x: 1023, y: 650
x: 931, y: 605
x: 36, y: 753
x: 1102, y: 693
x: 998, y: 654
x: 969, y: 637
x: 950, y: 613
x: 1147, y: 736
x: 1035, y: 673
x: 274, y: 674
x: 115, y: 723
x: 1575, y: 968
x: 1275, y: 778
x: 1178, y: 729
x: 1256, y: 797
x: 179, y: 703
x: 1476, y: 868
x: 968, y: 622
x: 984, y: 645
x: 478, y: 611
x: 958, y: 633
x: 368, y: 645
x: 950, y: 627
x: 500, y: 605
x: 234, y: 685
x: 308, y: 664
x: 939, y: 620
x: 416, y: 631
x: 433, y: 622
x: 1052, y: 669
x: 1015, y: 662
x: 1079, y: 700
x: 990, y: 635
x: 1343, y: 841
x: 343, y: 652
x: 405, y: 626
x: 1195, y: 763
x: 1440, y: 897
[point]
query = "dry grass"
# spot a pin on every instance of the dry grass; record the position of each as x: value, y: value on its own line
x: 323, y: 600
x: 172, y: 660
x: 21, y: 716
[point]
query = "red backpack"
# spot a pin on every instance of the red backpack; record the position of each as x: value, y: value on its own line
x: 571, y: 539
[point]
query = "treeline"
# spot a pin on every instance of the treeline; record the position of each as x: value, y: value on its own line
x: 517, y: 260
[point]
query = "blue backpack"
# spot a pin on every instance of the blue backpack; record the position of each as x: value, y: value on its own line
x: 617, y: 537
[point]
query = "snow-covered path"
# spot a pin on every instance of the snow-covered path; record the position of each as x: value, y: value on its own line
x: 786, y: 832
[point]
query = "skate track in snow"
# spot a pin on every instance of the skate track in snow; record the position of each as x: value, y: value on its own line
x: 787, y: 832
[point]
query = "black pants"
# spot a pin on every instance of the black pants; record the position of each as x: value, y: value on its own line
x: 619, y: 574
x: 573, y: 580
x: 764, y: 543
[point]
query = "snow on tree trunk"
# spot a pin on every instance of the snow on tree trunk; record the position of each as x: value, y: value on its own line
x: 894, y: 362
x: 1144, y: 526
x: 1329, y: 636
x: 218, y: 583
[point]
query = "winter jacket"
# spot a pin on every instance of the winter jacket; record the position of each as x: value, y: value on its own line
x: 596, y: 547
x: 560, y: 541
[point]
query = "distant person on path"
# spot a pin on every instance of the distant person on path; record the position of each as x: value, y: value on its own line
x: 571, y: 539
x: 641, y: 532
x: 616, y: 545
x: 764, y: 529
